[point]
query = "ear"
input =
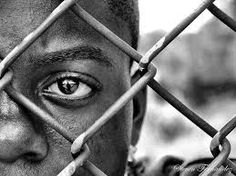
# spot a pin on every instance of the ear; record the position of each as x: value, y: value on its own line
x: 139, y: 109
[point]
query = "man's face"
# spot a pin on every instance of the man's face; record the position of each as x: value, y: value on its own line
x: 73, y: 73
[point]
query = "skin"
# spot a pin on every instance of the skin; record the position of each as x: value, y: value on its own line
x: 29, y: 147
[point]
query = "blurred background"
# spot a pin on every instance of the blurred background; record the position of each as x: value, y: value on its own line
x: 199, y: 68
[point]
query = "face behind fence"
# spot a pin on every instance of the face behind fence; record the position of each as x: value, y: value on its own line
x: 61, y: 83
x: 74, y: 74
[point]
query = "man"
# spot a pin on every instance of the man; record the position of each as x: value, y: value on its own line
x: 73, y: 73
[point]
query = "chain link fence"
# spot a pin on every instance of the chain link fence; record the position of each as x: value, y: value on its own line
x: 220, y: 146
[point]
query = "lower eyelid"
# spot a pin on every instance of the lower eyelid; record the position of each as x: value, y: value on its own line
x: 70, y: 103
x: 53, y: 95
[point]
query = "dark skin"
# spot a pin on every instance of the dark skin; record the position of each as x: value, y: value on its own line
x: 73, y: 73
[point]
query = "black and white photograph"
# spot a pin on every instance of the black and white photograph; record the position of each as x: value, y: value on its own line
x: 117, y: 88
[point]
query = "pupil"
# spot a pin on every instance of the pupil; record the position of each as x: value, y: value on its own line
x: 68, y: 86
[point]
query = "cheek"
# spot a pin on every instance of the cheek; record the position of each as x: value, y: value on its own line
x: 109, y: 147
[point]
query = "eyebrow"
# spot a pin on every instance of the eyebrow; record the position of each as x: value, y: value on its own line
x: 77, y: 53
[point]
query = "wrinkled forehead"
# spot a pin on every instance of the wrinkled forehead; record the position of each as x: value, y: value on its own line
x: 20, y: 17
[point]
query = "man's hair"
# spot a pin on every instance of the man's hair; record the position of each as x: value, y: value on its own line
x: 128, y: 11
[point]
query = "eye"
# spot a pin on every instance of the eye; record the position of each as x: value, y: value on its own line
x: 70, y: 86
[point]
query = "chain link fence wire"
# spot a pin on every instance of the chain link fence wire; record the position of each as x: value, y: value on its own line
x: 79, y: 149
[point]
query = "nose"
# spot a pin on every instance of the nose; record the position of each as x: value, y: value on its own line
x: 18, y: 141
x: 19, y: 137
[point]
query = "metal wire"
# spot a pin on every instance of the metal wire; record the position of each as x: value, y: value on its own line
x: 136, y: 56
x: 164, y: 41
x: 230, y: 22
x: 219, y: 160
x: 110, y: 112
x: 79, y: 145
x: 221, y: 135
x: 43, y: 116
x: 150, y: 55
x: 6, y: 79
x: 30, y: 38
x: 70, y: 169
x: 105, y: 32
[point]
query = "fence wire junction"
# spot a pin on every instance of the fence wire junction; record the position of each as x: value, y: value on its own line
x: 79, y: 148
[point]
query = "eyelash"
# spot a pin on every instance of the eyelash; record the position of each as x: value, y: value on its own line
x: 86, y: 79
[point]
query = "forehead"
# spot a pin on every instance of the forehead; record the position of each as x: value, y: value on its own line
x: 19, y: 18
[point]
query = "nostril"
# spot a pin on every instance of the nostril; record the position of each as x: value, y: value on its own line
x: 21, y: 141
x: 38, y: 150
x: 31, y: 156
